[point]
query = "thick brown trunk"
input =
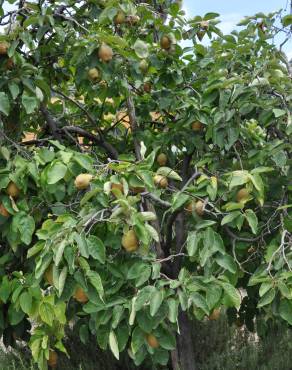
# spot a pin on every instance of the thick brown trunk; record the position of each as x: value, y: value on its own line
x: 183, y: 357
x: 185, y: 345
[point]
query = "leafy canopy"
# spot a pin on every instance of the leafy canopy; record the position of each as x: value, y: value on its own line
x: 102, y: 88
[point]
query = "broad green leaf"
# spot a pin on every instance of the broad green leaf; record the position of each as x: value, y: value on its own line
x: 267, y: 298
x: 168, y: 172
x: 96, y: 281
x: 25, y: 301
x: 96, y: 248
x: 46, y: 312
x: 252, y: 220
x: 193, y: 243
x: 279, y: 112
x: 30, y: 103
x: 56, y: 171
x: 227, y: 262
x: 4, y: 103
x: 232, y: 294
x: 200, y: 301
x: 113, y: 343
x: 141, y: 49
x: 155, y: 301
x: 230, y: 217
x: 285, y: 310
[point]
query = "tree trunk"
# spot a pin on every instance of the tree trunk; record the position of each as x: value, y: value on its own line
x: 183, y: 357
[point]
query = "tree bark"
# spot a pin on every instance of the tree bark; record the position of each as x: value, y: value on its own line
x: 185, y: 346
x: 183, y: 357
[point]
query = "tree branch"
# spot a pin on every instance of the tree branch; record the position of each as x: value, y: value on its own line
x: 134, y: 125
x: 97, y: 140
x: 52, y: 124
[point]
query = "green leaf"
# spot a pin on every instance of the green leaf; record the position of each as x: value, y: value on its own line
x: 141, y: 49
x: 209, y: 238
x: 200, y: 302
x: 96, y: 248
x: 168, y: 172
x: 82, y: 244
x: 287, y: 20
x: 96, y: 281
x: 30, y: 103
x: 113, y: 343
x: 25, y: 224
x: 62, y: 280
x: 25, y: 301
x: 238, y: 178
x: 232, y: 294
x: 202, y: 224
x: 56, y: 171
x: 179, y: 199
x: 285, y: 310
x: 193, y: 242
x: 279, y: 112
x: 172, y: 310
x: 267, y: 298
x: 156, y: 300
x: 252, y: 220
x: 230, y: 217
x: 213, y: 295
x: 4, y: 103
x: 14, y: 89
x: 59, y: 250
x: 46, y: 312
x: 227, y: 262
x: 152, y: 232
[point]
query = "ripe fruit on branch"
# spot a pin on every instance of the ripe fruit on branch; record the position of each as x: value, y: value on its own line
x: 160, y: 181
x: 130, y: 241
x: 162, y: 159
x: 12, y: 190
x: 119, y: 187
x: 132, y: 19
x: 204, y: 25
x: 9, y: 64
x: 143, y: 66
x: 215, y: 314
x: 197, y: 207
x: 190, y: 206
x: 3, y: 48
x: 80, y: 295
x: 3, y: 211
x: 53, y: 359
x: 82, y: 181
x: 165, y: 42
x: 242, y: 195
x: 200, y: 208
x: 147, y: 87
x: 93, y: 74
x: 152, y: 341
x: 105, y: 53
x: 197, y: 126
x: 119, y: 18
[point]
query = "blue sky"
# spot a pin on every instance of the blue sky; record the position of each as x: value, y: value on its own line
x: 231, y: 11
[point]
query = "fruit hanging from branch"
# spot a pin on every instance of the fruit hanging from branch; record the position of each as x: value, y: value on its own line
x: 83, y: 180
x: 105, y: 53
x: 130, y: 241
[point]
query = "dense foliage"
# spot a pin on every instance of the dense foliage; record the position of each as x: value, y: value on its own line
x: 144, y: 176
